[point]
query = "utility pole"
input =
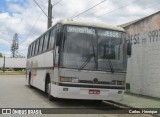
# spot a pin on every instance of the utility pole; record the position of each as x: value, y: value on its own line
x: 49, y: 14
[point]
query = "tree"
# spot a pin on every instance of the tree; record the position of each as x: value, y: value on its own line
x: 1, y: 55
x: 15, y: 45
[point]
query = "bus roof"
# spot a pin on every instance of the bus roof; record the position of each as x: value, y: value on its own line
x: 84, y: 23
x: 90, y: 23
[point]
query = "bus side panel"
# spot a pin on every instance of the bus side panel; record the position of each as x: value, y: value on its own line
x: 54, y: 79
x: 38, y: 80
x: 44, y: 60
x: 39, y: 66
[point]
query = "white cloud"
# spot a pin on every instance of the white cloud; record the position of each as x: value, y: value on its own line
x: 23, y: 18
x: 15, y: 8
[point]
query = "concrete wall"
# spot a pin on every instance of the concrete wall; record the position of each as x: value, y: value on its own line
x: 143, y: 69
x: 13, y: 62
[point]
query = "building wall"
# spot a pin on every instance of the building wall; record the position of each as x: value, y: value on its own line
x: 143, y: 69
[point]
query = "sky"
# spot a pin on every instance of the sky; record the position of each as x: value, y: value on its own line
x: 25, y: 18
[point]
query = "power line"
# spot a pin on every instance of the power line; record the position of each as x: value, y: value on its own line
x: 31, y: 30
x: 42, y: 2
x: 35, y: 23
x: 88, y: 9
x: 40, y: 7
x: 155, y: 4
x: 52, y: 6
x: 117, y: 9
x: 57, y: 3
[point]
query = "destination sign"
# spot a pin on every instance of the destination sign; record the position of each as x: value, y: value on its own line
x: 108, y: 33
x: 87, y: 30
x: 84, y: 30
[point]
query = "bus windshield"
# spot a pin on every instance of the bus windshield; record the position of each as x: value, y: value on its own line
x: 92, y: 48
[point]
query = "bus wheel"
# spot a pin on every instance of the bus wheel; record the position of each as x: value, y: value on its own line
x: 98, y: 101
x: 48, y: 89
x: 29, y: 80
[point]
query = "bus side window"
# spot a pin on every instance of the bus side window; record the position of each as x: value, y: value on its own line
x: 28, y: 51
x: 52, y: 39
x: 33, y: 49
x: 45, y: 42
x: 37, y: 46
x: 49, y: 34
x: 41, y: 44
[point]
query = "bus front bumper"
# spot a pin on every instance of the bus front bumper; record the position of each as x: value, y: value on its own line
x: 68, y: 92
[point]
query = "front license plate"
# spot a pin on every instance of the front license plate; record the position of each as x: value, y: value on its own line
x: 94, y: 91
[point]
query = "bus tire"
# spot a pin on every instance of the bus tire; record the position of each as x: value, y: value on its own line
x: 48, y: 88
x: 29, y: 80
x: 98, y: 101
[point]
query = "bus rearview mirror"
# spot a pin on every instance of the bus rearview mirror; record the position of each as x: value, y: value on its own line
x: 129, y: 49
x: 56, y: 56
x: 58, y: 39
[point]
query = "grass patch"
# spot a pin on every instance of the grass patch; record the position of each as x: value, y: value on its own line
x: 12, y: 73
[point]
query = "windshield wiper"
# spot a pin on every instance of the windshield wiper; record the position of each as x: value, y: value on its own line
x: 111, y: 66
x: 107, y: 56
x: 88, y: 59
x: 110, y: 63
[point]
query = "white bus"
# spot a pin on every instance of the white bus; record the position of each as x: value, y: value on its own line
x: 78, y: 60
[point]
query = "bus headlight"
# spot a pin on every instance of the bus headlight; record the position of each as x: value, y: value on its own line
x: 116, y: 82
x: 68, y: 79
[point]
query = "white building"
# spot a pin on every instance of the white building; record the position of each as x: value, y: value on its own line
x: 143, y: 69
